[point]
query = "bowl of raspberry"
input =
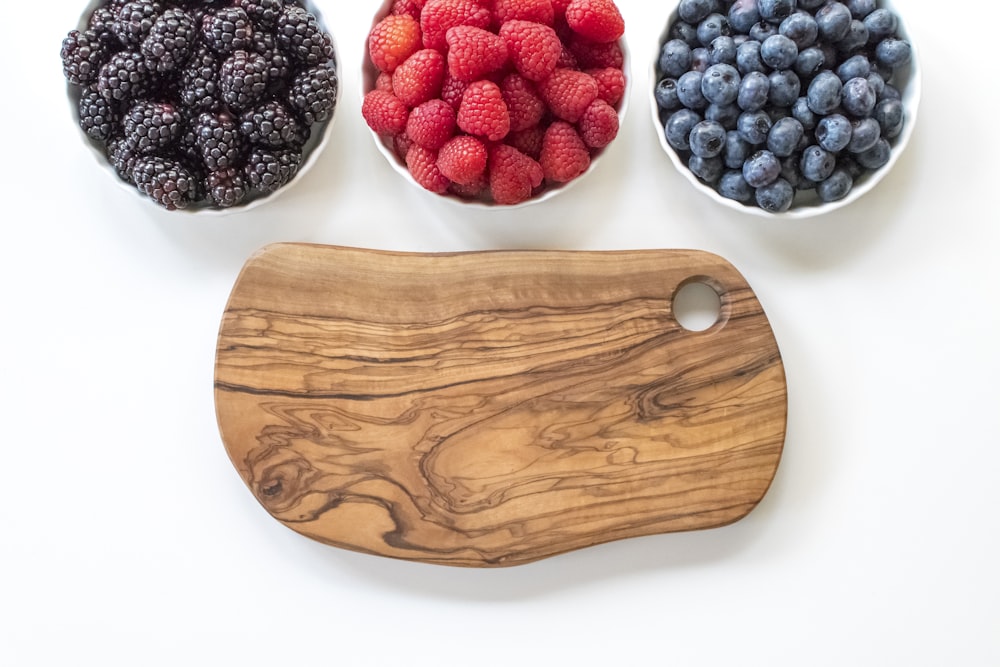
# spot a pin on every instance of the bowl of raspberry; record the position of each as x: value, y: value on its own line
x: 203, y: 107
x: 495, y: 104
x: 784, y: 108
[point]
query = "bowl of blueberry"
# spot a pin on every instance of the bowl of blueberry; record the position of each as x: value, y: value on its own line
x: 494, y: 104
x: 784, y: 108
x: 203, y: 106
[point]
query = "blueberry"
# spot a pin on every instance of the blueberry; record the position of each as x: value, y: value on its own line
x: 778, y: 52
x: 833, y: 21
x: 720, y: 84
x: 761, y: 168
x: 858, y: 98
x: 776, y: 196
x: 833, y: 133
x: 893, y: 52
x: 881, y: 23
x: 685, y: 32
x: 809, y: 62
x: 876, y: 156
x: 675, y: 58
x: 754, y: 126
x: 694, y: 11
x: 801, y: 28
x: 890, y: 92
x: 666, y: 94
x: 708, y: 169
x: 802, y: 113
x: 855, y: 66
x: 712, y: 26
x: 864, y: 134
x: 732, y: 185
x: 791, y: 172
x: 811, y: 4
x: 777, y: 113
x: 742, y: 15
x: 817, y: 164
x: 860, y: 8
x: 689, y: 91
x: 785, y: 87
x: 736, y: 150
x: 722, y: 50
x: 701, y: 58
x: 856, y: 37
x: 775, y: 11
x: 877, y: 83
x: 847, y: 162
x: 707, y: 139
x: 748, y: 57
x: 754, y: 89
x: 836, y: 186
x: 723, y: 114
x: 761, y: 30
x: 784, y: 136
x: 889, y: 115
x: 824, y: 92
x: 678, y: 127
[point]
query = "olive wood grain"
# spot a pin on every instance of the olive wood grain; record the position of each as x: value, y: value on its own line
x: 495, y: 408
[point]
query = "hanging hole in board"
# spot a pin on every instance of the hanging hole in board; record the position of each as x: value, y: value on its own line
x: 697, y: 306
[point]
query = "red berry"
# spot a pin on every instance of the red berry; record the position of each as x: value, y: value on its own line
x: 564, y: 155
x: 431, y: 124
x: 384, y: 82
x: 419, y: 77
x: 513, y: 175
x: 568, y: 93
x: 610, y: 84
x: 384, y: 112
x: 439, y: 15
x: 401, y: 144
x: 422, y: 163
x: 392, y: 40
x: 462, y: 159
x: 567, y: 60
x: 527, y: 141
x: 483, y: 111
x: 539, y: 11
x: 474, y: 52
x: 526, y: 108
x: 408, y: 7
x: 597, y: 20
x: 599, y: 124
x: 474, y: 190
x: 559, y: 8
x: 534, y: 48
x: 452, y: 90
x: 594, y: 55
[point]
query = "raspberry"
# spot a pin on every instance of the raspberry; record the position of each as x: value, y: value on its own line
x: 452, y: 90
x: 564, y: 155
x: 568, y: 93
x: 384, y: 112
x: 384, y: 82
x: 598, y: 20
x: 405, y: 7
x: 475, y: 190
x: 610, y: 84
x: 392, y: 40
x: 431, y: 124
x: 538, y: 11
x: 526, y: 108
x: 534, y: 48
x: 559, y: 8
x: 439, y: 15
x: 483, y: 111
x: 474, y: 52
x: 599, y: 124
x: 462, y: 159
x: 567, y: 60
x: 593, y: 55
x: 422, y: 163
x: 527, y: 141
x: 419, y: 77
x: 513, y: 175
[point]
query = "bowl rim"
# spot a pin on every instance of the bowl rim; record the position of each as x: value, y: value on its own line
x: 910, y: 93
x: 311, y: 150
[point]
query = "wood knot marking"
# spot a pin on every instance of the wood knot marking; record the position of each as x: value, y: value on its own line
x: 271, y: 488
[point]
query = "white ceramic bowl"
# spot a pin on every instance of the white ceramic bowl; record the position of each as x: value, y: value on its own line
x: 806, y: 204
x: 310, y: 151
x: 368, y: 75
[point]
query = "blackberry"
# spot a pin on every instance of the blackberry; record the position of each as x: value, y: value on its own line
x: 198, y: 84
x: 227, y: 30
x: 226, y: 187
x: 135, y: 20
x: 82, y: 55
x: 219, y: 139
x: 269, y: 169
x: 263, y: 13
x: 313, y: 94
x: 299, y: 34
x: 98, y: 117
x: 102, y: 22
x: 152, y: 126
x: 242, y: 80
x: 166, y: 181
x: 279, y: 67
x: 170, y: 41
x: 122, y: 157
x: 124, y: 77
x: 272, y: 124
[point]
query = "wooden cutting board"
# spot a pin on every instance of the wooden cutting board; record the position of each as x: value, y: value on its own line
x: 495, y: 408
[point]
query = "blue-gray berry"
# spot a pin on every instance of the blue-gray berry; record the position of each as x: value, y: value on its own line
x: 733, y: 186
x: 778, y: 52
x: 776, y: 196
x: 833, y: 21
x: 708, y: 169
x: 754, y: 91
x: 785, y: 87
x: 707, y: 139
x: 748, y: 57
x: 689, y: 91
x: 858, y: 98
x: 736, y: 150
x: 742, y: 15
x: 712, y: 26
x: 666, y: 94
x: 817, y: 164
x: 784, y: 137
x: 675, y: 58
x: 836, y: 186
x: 833, y: 133
x: 824, y: 92
x: 761, y: 168
x: 678, y: 128
x: 720, y: 84
x: 801, y: 28
x: 864, y: 134
x: 754, y: 126
x: 775, y: 11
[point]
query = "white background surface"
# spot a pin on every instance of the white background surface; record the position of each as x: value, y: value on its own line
x: 128, y: 539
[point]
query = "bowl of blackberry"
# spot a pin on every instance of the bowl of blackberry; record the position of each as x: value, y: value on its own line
x: 495, y: 104
x: 784, y: 108
x: 203, y: 106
